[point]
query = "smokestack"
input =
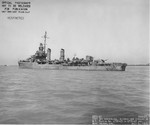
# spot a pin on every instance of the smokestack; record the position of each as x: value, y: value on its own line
x: 49, y: 54
x: 62, y: 55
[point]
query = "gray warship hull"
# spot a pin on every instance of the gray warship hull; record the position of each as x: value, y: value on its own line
x: 105, y: 67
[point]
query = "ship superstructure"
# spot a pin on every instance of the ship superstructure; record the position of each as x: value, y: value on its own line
x: 42, y: 60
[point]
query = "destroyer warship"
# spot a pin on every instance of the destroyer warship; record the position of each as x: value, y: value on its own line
x: 42, y: 60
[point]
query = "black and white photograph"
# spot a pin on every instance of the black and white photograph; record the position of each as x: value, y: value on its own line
x: 74, y: 62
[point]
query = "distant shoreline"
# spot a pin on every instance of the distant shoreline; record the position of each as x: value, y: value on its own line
x: 138, y: 65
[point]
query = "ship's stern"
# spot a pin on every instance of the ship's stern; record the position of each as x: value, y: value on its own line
x: 123, y: 67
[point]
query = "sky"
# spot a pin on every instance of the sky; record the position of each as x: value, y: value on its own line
x: 117, y: 30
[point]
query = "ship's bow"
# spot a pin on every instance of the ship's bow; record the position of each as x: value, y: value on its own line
x: 23, y: 64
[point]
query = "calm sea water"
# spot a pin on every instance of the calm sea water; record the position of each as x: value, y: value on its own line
x: 51, y: 96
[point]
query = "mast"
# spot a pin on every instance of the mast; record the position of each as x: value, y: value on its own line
x: 45, y: 37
